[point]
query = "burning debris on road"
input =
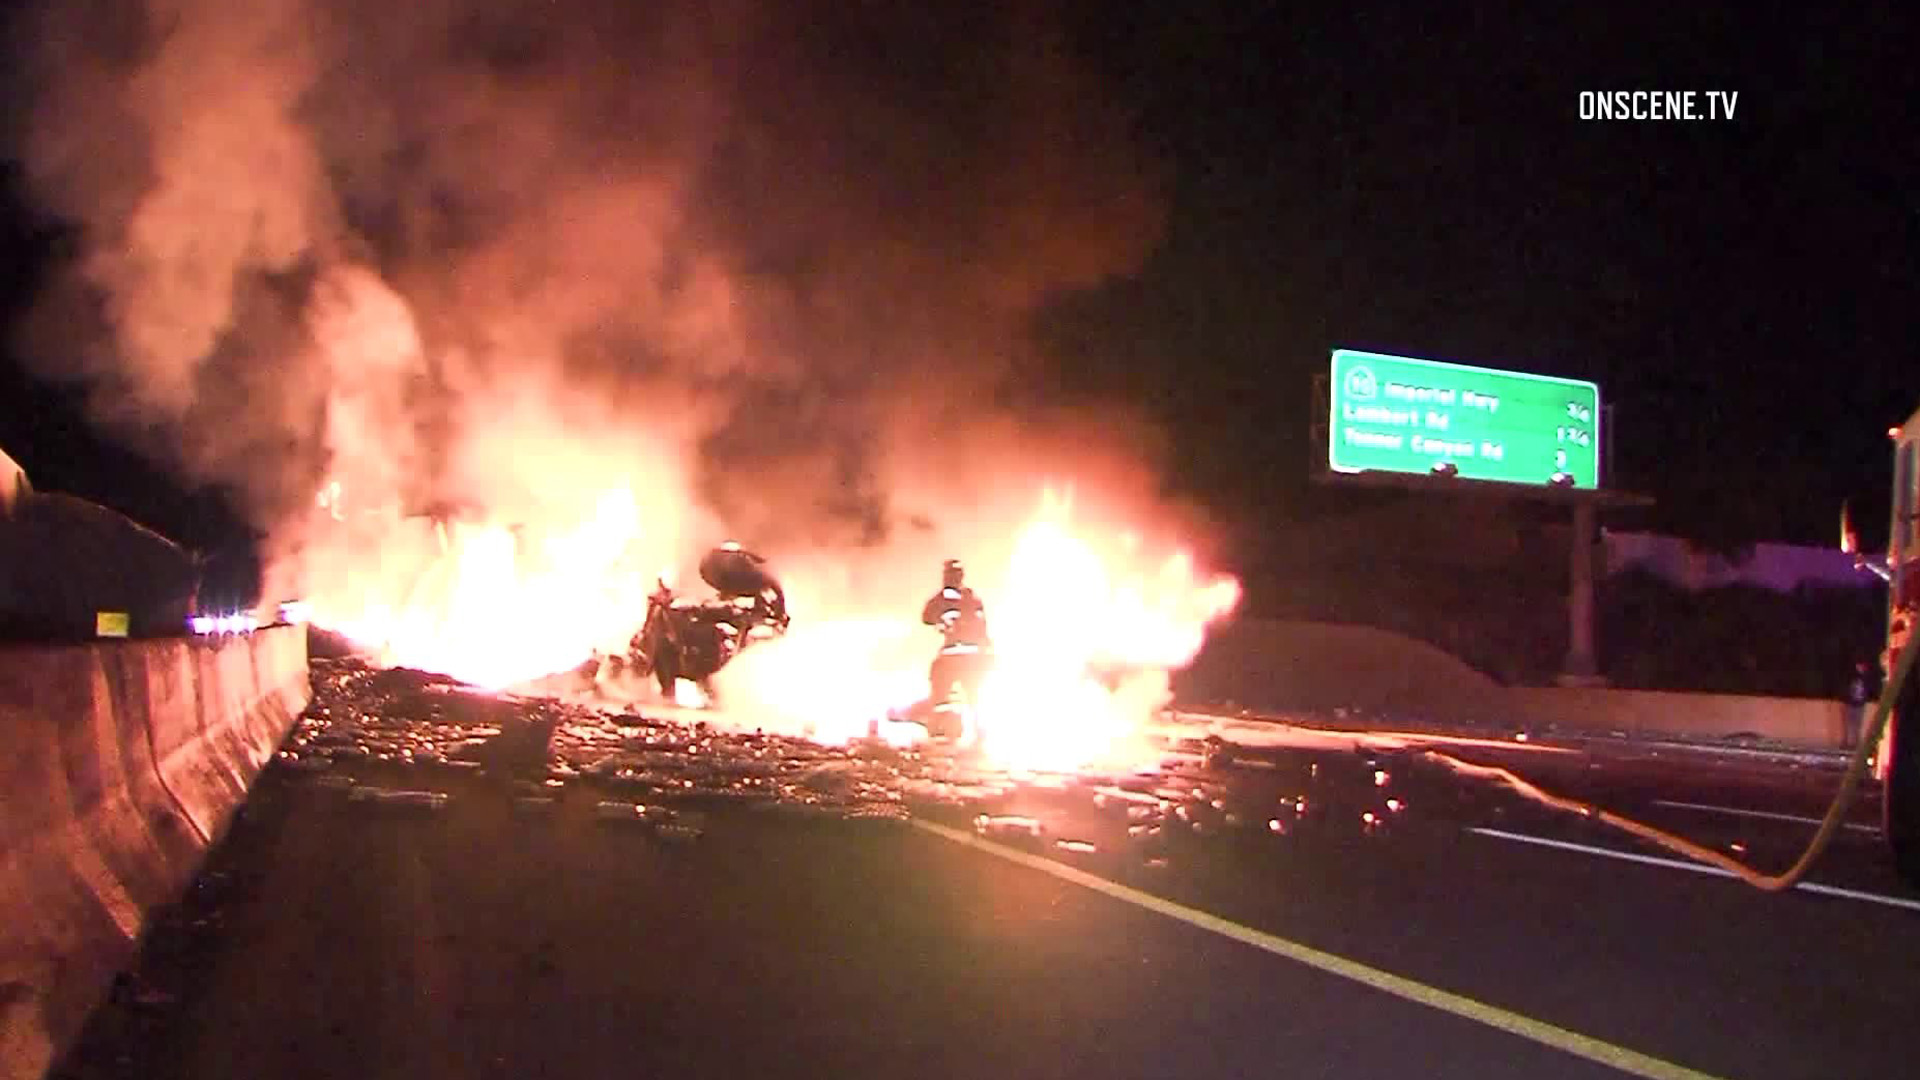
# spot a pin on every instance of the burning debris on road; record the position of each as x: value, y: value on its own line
x: 403, y: 742
x: 403, y: 729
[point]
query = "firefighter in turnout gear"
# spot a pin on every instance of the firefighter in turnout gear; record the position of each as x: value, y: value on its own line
x: 959, y: 614
x: 965, y: 654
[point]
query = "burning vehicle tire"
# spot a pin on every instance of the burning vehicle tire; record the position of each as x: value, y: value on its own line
x: 743, y: 580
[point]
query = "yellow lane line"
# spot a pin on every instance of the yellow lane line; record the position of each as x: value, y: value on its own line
x: 1631, y: 1062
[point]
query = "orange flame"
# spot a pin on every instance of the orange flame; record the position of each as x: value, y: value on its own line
x: 487, y: 603
x: 1086, y: 629
x: 1070, y: 611
x: 1086, y: 623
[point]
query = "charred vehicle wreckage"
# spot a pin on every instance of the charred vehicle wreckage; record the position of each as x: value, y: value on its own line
x: 692, y: 639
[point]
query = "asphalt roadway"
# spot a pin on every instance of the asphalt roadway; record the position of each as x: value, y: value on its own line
x: 1229, y: 919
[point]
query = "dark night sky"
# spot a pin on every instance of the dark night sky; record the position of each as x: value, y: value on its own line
x: 1742, y: 291
x: 1421, y: 183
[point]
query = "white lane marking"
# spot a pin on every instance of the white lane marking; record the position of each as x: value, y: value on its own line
x: 1698, y: 868
x: 1632, y: 1062
x: 1764, y: 815
x: 1287, y: 734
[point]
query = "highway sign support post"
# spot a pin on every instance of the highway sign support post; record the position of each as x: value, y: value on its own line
x: 1430, y: 427
x: 1581, y: 667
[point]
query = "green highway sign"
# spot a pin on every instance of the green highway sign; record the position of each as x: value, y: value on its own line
x: 1399, y: 414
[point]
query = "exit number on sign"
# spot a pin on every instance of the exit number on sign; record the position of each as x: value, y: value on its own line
x: 1401, y: 414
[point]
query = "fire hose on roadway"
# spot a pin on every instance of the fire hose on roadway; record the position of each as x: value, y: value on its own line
x: 1786, y: 879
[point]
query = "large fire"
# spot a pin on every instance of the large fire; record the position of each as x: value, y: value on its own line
x: 490, y: 603
x: 1084, y: 641
x: 1086, y: 624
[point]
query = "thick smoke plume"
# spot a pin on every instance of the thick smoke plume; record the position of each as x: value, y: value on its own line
x: 684, y: 270
x: 786, y: 218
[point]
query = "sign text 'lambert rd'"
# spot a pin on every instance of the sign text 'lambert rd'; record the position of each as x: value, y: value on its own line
x: 1404, y: 415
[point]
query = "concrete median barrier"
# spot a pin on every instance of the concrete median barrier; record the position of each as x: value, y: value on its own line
x: 1261, y: 664
x: 1809, y: 722
x: 1270, y: 666
x: 125, y: 761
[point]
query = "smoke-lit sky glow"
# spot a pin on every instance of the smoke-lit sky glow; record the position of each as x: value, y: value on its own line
x: 771, y: 223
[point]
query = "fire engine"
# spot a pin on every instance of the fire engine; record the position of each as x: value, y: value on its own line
x: 1897, y: 758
